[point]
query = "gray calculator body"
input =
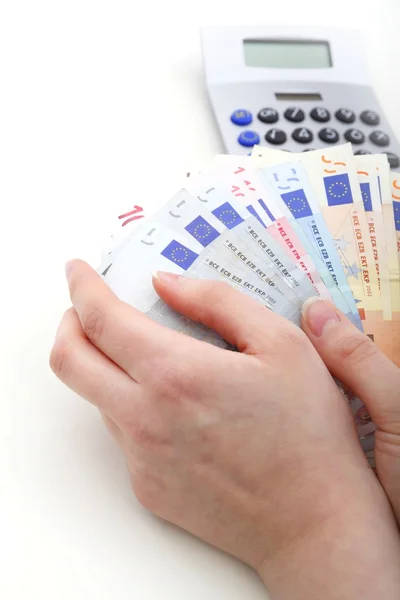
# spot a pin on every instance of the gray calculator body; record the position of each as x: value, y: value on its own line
x: 294, y: 90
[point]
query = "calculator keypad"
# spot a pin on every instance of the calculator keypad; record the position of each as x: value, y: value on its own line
x: 305, y: 135
x: 379, y: 138
x: 345, y: 115
x: 249, y: 138
x: 320, y: 114
x: 370, y: 117
x: 241, y: 117
x: 394, y: 160
x: 268, y: 115
x: 295, y: 115
x: 276, y: 137
x: 355, y: 136
x: 329, y: 135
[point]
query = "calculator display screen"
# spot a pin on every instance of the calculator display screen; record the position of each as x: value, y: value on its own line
x: 281, y: 54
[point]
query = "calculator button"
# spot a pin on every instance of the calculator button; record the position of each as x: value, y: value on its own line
x: 320, y: 114
x: 362, y: 152
x: 276, y: 137
x: 241, y: 117
x: 394, y: 160
x: 328, y: 135
x: 303, y: 135
x: 355, y: 136
x: 268, y: 115
x: 379, y: 138
x: 345, y: 115
x: 248, y: 138
x: 296, y: 115
x: 370, y: 117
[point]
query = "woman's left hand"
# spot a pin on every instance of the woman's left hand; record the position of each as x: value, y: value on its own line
x: 253, y: 451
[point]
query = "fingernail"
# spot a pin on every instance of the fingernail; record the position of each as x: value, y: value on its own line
x: 68, y: 268
x: 319, y: 314
x: 166, y: 276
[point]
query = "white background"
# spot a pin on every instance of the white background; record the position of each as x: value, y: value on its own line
x: 102, y: 106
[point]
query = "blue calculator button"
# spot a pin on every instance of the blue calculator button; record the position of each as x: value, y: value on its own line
x: 248, y: 138
x: 241, y: 117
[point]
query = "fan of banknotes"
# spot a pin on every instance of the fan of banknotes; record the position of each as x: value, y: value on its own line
x: 281, y: 228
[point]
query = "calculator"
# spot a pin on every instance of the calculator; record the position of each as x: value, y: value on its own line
x: 294, y: 89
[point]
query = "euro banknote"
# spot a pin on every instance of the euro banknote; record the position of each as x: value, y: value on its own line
x: 279, y: 228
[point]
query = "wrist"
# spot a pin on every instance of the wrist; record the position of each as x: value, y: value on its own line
x: 352, y: 553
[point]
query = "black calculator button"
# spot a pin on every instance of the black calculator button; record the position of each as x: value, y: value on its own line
x: 276, y: 137
x: 355, y: 136
x: 362, y: 152
x: 370, y: 117
x: 394, y: 160
x: 296, y: 115
x: 268, y: 115
x: 329, y: 135
x: 379, y: 138
x: 303, y: 135
x: 320, y: 114
x: 345, y: 115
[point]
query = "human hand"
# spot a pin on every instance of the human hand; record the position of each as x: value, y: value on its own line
x: 357, y: 362
x: 253, y: 451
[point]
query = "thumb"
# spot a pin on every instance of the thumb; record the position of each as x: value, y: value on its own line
x: 239, y: 319
x: 354, y: 359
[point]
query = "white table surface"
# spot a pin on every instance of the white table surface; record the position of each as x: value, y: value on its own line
x: 103, y: 104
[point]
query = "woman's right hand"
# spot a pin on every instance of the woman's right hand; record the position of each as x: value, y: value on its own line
x: 357, y: 362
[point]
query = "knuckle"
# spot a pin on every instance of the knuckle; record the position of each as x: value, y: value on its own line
x: 61, y: 359
x: 93, y: 321
x: 173, y: 379
x: 142, y: 436
x: 355, y: 348
x: 295, y: 337
x: 288, y: 338
x: 148, y: 429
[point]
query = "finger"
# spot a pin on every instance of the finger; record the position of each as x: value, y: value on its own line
x: 237, y: 318
x: 352, y: 357
x: 89, y: 373
x: 127, y: 336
